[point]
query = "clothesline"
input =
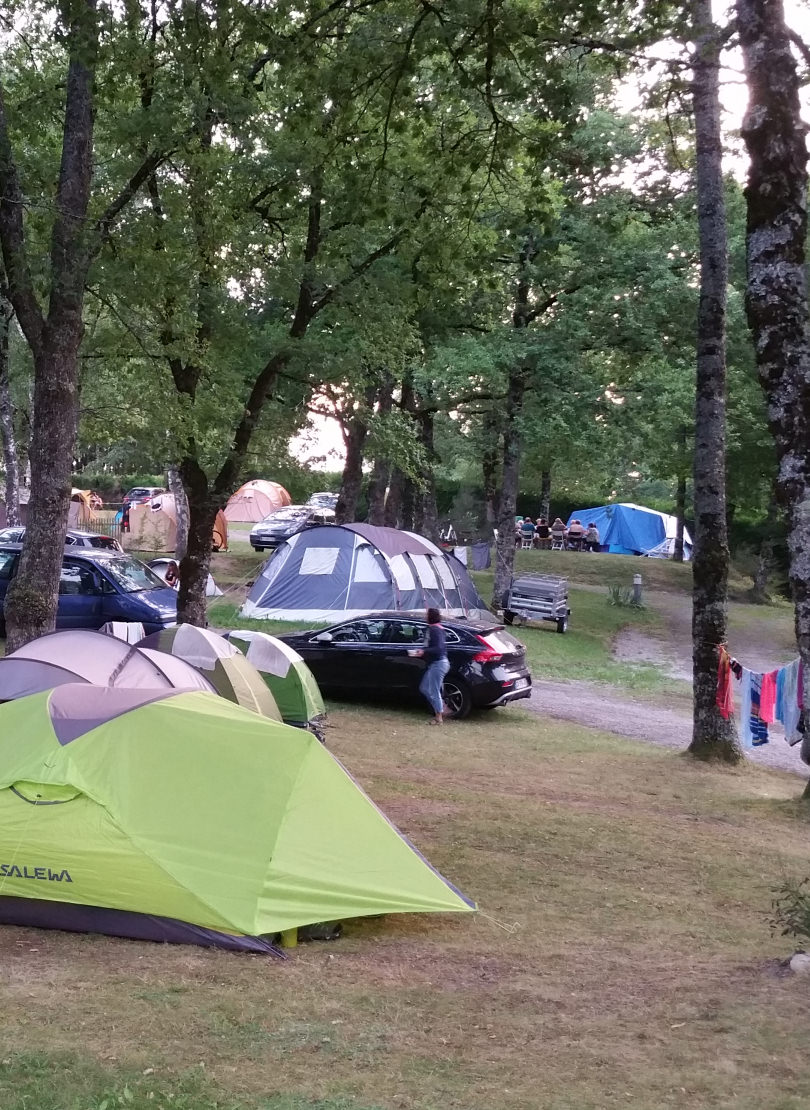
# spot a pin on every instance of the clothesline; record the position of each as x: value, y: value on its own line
x: 764, y: 698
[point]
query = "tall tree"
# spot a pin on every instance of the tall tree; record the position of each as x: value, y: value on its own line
x: 776, y: 300
x: 713, y: 736
x: 54, y: 334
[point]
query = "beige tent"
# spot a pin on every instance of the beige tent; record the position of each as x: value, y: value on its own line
x: 153, y: 526
x: 255, y: 500
x: 83, y: 505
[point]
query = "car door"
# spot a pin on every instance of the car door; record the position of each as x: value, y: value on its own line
x: 80, y: 596
x: 8, y: 567
x: 404, y: 671
x: 359, y: 655
x: 323, y: 652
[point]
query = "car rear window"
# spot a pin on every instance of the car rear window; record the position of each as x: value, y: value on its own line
x: 501, y: 642
x: 106, y: 542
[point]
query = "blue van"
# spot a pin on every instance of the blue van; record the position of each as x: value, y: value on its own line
x: 97, y: 586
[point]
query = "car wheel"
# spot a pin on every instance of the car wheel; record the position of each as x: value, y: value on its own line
x: 508, y: 616
x: 255, y: 548
x: 457, y: 698
x: 562, y: 624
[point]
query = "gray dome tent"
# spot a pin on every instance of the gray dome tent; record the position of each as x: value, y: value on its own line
x: 342, y: 571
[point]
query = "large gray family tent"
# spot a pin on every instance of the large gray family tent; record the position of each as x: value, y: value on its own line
x: 338, y: 571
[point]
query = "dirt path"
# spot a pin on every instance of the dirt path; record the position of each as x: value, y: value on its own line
x: 762, y: 641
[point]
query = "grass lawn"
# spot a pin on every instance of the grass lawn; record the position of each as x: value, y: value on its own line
x: 622, y: 956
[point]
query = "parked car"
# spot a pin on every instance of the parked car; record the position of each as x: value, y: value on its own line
x: 138, y: 494
x: 100, y: 585
x: 283, y: 523
x: 367, y: 657
x: 74, y: 538
x: 324, y: 501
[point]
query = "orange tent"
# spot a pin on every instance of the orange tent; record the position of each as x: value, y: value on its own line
x: 153, y: 526
x: 255, y: 500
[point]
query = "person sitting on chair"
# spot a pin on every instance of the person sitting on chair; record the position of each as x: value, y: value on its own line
x: 590, y: 541
x: 575, y: 534
x: 543, y: 534
x: 558, y: 534
x: 527, y: 532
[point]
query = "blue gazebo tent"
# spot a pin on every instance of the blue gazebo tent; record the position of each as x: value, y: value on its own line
x: 627, y: 529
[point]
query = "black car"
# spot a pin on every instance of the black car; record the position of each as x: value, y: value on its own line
x: 283, y: 523
x: 368, y: 657
x: 74, y: 538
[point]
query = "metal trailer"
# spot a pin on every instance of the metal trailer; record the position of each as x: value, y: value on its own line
x: 538, y: 597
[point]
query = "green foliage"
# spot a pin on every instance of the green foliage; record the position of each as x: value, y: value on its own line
x: 790, y: 908
x: 622, y: 597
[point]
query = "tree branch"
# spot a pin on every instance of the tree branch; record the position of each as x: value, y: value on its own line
x: 113, y: 211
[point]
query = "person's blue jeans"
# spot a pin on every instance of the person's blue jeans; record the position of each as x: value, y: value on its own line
x: 431, y: 685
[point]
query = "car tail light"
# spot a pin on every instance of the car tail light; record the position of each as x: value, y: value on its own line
x: 488, y: 655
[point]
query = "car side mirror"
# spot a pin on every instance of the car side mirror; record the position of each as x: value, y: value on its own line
x: 324, y: 638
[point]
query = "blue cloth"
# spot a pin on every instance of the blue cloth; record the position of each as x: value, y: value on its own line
x: 431, y: 685
x: 435, y: 644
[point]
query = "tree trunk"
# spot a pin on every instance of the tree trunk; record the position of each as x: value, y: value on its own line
x: 680, y: 512
x: 181, y: 506
x: 713, y: 737
x: 393, y: 500
x: 490, y: 458
x: 510, y: 470
x: 351, y: 485
x: 195, y: 565
x: 377, y: 487
x: 429, y: 524
x: 407, y: 506
x: 32, y: 597
x: 510, y: 473
x: 545, y: 494
x: 762, y: 572
x: 11, y: 461
x: 776, y: 299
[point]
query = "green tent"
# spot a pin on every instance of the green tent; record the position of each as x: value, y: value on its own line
x: 289, y: 679
x: 223, y: 664
x: 181, y: 817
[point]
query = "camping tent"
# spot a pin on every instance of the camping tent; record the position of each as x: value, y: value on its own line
x: 161, y: 566
x: 223, y: 664
x: 627, y: 529
x: 338, y: 571
x: 153, y: 526
x: 289, y: 679
x: 175, y: 816
x: 80, y: 655
x: 82, y: 508
x: 255, y: 500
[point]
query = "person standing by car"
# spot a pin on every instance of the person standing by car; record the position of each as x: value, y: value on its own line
x: 435, y: 655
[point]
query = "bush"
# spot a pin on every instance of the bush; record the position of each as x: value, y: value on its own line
x: 623, y: 597
x: 790, y: 908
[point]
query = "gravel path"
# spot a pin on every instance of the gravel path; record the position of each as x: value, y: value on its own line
x: 610, y: 709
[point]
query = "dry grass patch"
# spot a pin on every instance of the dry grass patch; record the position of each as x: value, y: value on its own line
x: 621, y: 957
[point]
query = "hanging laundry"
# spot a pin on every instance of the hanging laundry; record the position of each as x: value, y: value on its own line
x: 746, y: 736
x: 758, y: 727
x: 767, y: 699
x: 787, y: 701
x: 725, y: 695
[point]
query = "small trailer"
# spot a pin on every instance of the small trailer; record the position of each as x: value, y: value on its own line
x: 538, y: 597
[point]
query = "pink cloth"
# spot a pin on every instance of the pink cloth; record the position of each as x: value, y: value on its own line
x: 767, y: 697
